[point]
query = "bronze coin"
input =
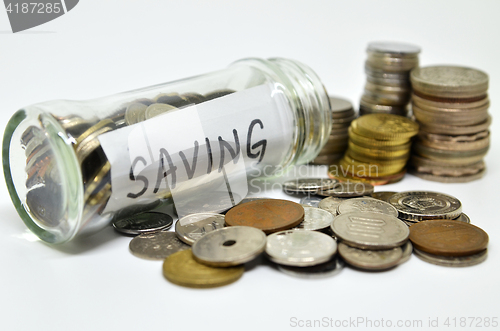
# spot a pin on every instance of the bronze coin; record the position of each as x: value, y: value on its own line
x: 448, y: 238
x: 269, y: 215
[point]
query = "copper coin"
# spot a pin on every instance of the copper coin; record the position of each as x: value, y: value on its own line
x: 448, y: 238
x: 269, y: 215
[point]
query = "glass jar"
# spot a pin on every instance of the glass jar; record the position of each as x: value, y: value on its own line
x: 72, y: 167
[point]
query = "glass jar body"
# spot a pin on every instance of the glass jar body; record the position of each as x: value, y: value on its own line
x: 71, y: 167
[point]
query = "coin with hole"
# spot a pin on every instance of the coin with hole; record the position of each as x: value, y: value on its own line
x: 229, y: 246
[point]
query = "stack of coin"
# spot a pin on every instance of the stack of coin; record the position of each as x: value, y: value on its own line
x: 449, y: 243
x: 342, y: 115
x: 379, y: 147
x: 451, y: 105
x: 388, y: 88
x: 363, y: 250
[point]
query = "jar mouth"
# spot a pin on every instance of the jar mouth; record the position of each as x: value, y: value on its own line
x: 46, y: 190
x: 309, y: 101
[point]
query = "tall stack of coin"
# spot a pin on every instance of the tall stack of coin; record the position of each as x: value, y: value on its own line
x: 451, y: 105
x: 342, y: 115
x: 379, y: 147
x: 388, y: 88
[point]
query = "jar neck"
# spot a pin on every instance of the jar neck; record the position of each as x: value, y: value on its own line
x: 309, y: 102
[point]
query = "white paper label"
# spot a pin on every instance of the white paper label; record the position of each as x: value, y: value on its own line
x: 200, y: 154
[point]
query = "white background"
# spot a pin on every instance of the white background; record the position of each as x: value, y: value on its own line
x: 104, y: 47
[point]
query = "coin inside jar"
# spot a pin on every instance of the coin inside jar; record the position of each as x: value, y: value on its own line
x: 182, y: 269
x: 448, y: 238
x: 192, y: 227
x: 269, y: 215
x: 369, y: 230
x: 300, y: 248
x: 229, y: 246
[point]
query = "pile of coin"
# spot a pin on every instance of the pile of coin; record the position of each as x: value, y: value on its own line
x: 357, y: 227
x: 342, y: 115
x: 379, y: 147
x: 387, y: 68
x: 43, y: 184
x: 451, y: 105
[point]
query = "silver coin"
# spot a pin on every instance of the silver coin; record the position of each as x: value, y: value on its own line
x: 393, y: 48
x: 142, y: 223
x: 452, y: 261
x: 323, y: 270
x: 157, y: 109
x: 370, y: 260
x: 300, y: 248
x: 423, y: 205
x: 331, y: 204
x: 310, y: 201
x: 315, y: 219
x: 230, y: 246
x: 308, y: 185
x: 367, y: 205
x: 338, y: 105
x: 135, y: 113
x: 449, y: 81
x: 157, y: 245
x: 407, y: 250
x: 369, y: 230
x: 463, y: 218
x: 192, y: 227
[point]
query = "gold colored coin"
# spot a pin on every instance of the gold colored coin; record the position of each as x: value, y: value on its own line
x: 383, y: 152
x: 365, y: 169
x: 91, y: 130
x: 97, y: 180
x: 375, y: 181
x: 378, y: 159
x: 386, y: 126
x: 90, y: 143
x: 182, y: 269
